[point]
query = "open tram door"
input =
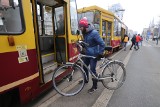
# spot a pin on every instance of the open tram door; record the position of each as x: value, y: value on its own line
x: 123, y: 31
x: 106, y: 31
x: 52, y: 35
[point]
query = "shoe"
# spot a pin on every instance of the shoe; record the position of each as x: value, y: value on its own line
x: 130, y: 49
x: 80, y: 82
x: 92, y: 90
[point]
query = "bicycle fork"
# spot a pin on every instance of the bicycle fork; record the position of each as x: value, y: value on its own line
x: 70, y: 75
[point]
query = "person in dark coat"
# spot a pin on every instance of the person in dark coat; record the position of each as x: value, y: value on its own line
x: 133, y: 42
x: 95, y: 48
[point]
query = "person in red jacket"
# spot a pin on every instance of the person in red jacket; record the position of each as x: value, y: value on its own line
x: 138, y: 39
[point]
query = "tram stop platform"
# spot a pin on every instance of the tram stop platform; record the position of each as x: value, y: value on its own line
x: 83, y: 99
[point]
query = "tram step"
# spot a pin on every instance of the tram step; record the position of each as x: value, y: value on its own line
x: 49, y: 67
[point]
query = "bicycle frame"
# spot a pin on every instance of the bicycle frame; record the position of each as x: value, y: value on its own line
x: 103, y: 63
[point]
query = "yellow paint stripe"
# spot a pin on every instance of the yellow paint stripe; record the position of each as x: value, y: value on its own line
x: 16, y: 83
x: 48, y: 55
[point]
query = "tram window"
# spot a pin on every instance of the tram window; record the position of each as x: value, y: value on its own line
x: 109, y: 28
x: 89, y: 15
x: 119, y: 29
x: 45, y: 24
x: 96, y: 21
x: 74, y: 18
x: 93, y: 17
x: 104, y: 28
x: 59, y: 21
x: 11, y: 15
x: 48, y: 24
x: 39, y: 19
x: 108, y: 41
x: 115, y: 27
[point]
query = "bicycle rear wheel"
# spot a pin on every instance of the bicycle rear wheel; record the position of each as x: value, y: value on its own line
x: 66, y: 79
x: 114, y: 74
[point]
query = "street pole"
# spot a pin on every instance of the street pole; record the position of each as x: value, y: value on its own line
x: 116, y: 12
x: 159, y: 28
x: 158, y: 31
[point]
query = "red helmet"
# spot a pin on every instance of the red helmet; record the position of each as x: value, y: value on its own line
x: 83, y: 23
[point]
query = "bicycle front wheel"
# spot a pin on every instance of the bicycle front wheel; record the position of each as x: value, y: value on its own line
x: 66, y: 79
x: 115, y: 74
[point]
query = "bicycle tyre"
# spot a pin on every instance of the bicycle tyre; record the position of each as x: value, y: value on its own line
x: 66, y: 79
x: 113, y: 71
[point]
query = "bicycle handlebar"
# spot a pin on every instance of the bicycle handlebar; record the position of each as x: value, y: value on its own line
x: 82, y: 43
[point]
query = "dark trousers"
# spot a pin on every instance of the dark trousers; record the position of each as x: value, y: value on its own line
x: 92, y: 62
x: 133, y: 44
x: 157, y: 41
x: 125, y: 43
x: 137, y: 45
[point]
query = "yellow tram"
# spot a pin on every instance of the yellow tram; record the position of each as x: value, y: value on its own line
x: 110, y: 27
x: 35, y: 36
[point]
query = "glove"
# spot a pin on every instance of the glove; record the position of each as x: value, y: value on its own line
x: 99, y: 56
x: 83, y: 51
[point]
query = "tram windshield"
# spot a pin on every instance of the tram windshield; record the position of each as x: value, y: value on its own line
x: 73, y: 11
x: 93, y: 17
x: 11, y: 17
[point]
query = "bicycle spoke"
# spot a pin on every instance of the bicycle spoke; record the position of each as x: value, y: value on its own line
x: 117, y: 73
x: 68, y: 78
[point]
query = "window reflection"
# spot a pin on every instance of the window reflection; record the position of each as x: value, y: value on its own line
x: 93, y: 17
x: 45, y: 25
x: 10, y: 16
x: 59, y: 21
x: 74, y: 21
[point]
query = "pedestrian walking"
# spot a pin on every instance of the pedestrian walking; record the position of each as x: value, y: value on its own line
x: 133, y: 40
x: 141, y: 40
x: 138, y: 38
x: 95, y: 48
x: 125, y: 40
x: 157, y: 40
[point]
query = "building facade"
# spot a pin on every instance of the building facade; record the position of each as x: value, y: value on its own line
x: 117, y: 9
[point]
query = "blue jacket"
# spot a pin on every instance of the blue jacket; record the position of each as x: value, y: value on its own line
x: 96, y: 43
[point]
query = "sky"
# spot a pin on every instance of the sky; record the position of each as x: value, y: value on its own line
x: 138, y: 14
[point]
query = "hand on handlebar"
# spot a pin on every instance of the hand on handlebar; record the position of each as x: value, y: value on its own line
x: 99, y: 56
x: 82, y: 43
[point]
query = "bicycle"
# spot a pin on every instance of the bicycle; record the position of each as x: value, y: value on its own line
x: 66, y: 77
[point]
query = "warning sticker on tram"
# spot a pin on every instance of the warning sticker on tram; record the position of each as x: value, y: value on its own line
x: 22, y: 52
x: 23, y: 59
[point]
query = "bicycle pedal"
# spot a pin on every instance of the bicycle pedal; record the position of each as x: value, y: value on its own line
x: 69, y: 79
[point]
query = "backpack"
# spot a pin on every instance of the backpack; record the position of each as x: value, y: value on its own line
x: 133, y: 39
x: 125, y: 39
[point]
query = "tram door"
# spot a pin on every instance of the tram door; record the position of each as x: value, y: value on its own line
x: 122, y: 35
x: 122, y: 32
x: 45, y: 41
x: 106, y: 32
x: 51, y: 38
x: 60, y: 34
